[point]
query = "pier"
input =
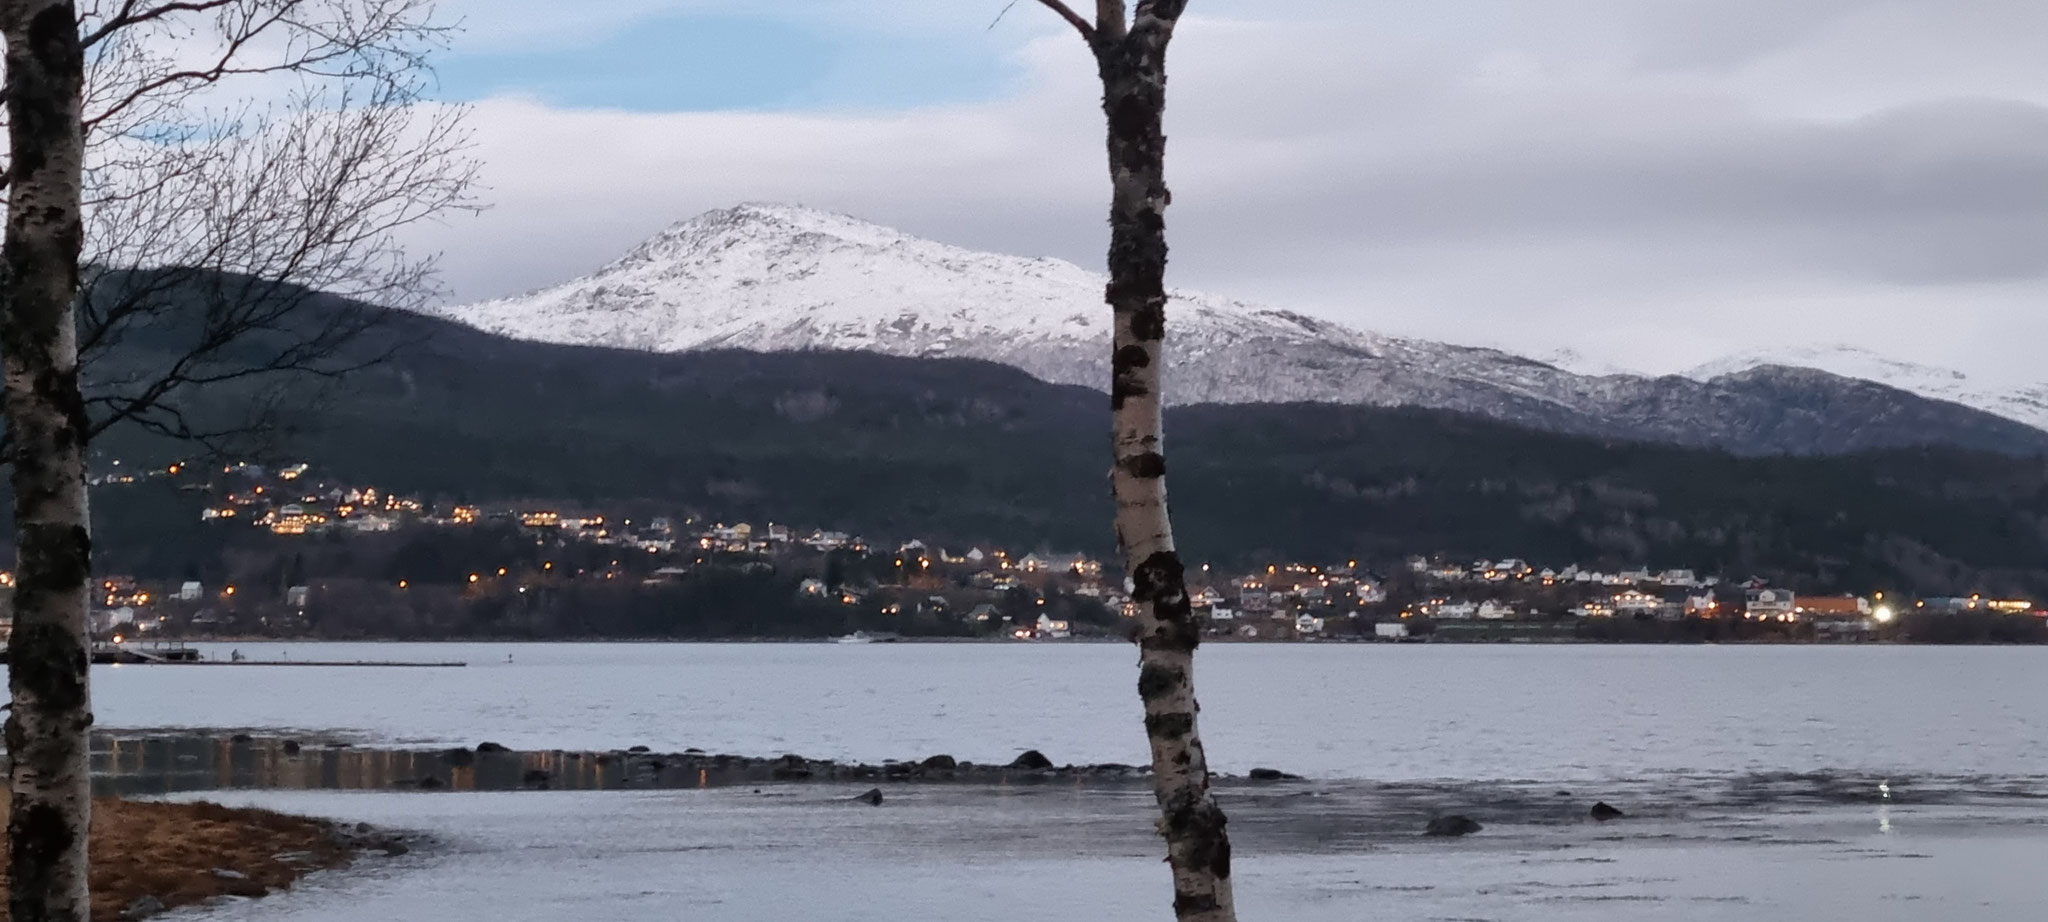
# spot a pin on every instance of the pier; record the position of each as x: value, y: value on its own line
x: 178, y: 653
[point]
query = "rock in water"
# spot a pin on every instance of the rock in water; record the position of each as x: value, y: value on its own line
x: 290, y: 747
x: 1271, y: 774
x: 872, y: 798
x: 143, y: 907
x: 1603, y: 812
x: 940, y: 763
x: 1452, y: 826
x: 1032, y: 761
x: 491, y: 747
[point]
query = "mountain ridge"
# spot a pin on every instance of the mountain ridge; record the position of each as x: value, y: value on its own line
x: 780, y: 278
x: 2025, y: 404
x: 971, y: 452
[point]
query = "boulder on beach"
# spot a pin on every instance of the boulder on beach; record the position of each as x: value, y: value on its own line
x: 1271, y: 774
x: 491, y: 747
x: 940, y: 763
x: 237, y: 738
x: 1603, y: 812
x: 290, y: 747
x: 1032, y: 761
x: 638, y: 749
x: 1452, y: 826
x: 872, y: 798
x: 459, y: 758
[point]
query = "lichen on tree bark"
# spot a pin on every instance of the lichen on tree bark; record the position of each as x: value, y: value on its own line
x: 1130, y: 55
x: 51, y: 713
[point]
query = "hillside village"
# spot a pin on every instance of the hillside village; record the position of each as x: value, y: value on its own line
x: 314, y: 557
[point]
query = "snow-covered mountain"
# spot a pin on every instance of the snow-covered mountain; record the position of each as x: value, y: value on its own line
x: 2026, y: 404
x: 786, y: 278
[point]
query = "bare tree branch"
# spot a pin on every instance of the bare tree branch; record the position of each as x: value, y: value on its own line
x: 1067, y: 12
x: 132, y: 13
x: 240, y: 243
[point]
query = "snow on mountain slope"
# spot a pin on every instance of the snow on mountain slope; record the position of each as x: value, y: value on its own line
x: 786, y: 278
x: 2027, y: 404
x: 780, y: 278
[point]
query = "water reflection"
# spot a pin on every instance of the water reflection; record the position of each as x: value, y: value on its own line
x: 162, y: 764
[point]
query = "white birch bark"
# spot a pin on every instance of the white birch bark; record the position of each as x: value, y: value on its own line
x: 47, y: 668
x: 1131, y: 57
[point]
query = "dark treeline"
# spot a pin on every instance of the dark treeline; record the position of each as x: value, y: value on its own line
x: 961, y: 452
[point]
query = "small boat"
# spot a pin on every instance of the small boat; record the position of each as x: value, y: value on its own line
x: 855, y: 637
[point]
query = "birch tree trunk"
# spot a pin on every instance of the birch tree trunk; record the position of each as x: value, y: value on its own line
x: 1132, y: 61
x: 46, y: 420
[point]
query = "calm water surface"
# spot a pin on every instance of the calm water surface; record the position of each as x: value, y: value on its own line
x: 1349, y: 712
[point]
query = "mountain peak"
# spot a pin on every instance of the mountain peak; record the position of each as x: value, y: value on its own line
x: 773, y: 277
x: 772, y: 226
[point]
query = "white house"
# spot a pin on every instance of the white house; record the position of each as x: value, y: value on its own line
x: 1456, y: 611
x: 827, y: 540
x: 191, y: 591
x: 1306, y: 625
x: 1390, y: 630
x: 1494, y: 611
x: 1635, y: 601
x: 1772, y: 604
x: 1048, y: 626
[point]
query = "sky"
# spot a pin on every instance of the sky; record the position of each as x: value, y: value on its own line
x: 1651, y: 184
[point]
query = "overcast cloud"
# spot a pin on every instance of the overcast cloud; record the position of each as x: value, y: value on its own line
x: 1651, y: 182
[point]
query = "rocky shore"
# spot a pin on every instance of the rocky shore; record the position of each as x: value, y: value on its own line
x: 166, y: 763
x: 150, y: 857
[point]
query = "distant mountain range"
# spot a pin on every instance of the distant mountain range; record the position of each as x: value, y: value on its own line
x: 779, y: 278
x: 2026, y: 404
x: 969, y: 452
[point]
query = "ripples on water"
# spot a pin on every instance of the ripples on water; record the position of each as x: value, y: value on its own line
x: 1383, y: 713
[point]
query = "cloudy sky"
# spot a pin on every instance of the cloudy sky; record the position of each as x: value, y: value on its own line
x: 1653, y: 183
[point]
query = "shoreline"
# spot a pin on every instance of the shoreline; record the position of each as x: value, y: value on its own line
x: 151, y: 856
x: 1087, y: 641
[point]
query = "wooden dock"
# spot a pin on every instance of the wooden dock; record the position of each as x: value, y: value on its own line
x: 306, y: 662
x: 177, y: 653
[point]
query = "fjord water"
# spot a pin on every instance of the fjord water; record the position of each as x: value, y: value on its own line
x: 1383, y: 713
x: 1762, y: 783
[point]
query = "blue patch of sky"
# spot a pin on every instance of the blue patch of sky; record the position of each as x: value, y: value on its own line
x: 693, y: 63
